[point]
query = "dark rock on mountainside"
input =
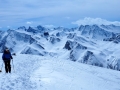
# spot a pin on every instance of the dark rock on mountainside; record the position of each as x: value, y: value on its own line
x: 29, y: 50
x: 115, y: 38
x: 73, y: 45
x: 54, y: 40
x: 90, y: 58
x: 94, y: 32
x: 87, y: 56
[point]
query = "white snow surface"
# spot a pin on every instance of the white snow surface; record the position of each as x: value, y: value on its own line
x: 33, y: 72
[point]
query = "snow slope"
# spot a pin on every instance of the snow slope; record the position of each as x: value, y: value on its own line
x: 33, y: 72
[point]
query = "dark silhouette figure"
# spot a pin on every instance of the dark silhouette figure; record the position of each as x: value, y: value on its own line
x: 7, y: 58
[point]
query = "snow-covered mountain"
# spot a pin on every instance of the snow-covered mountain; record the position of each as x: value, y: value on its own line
x: 89, y: 44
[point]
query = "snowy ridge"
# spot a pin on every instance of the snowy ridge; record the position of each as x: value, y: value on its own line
x: 33, y: 72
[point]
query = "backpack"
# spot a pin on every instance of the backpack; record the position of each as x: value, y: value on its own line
x: 7, y: 56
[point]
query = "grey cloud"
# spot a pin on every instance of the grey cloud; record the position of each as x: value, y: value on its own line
x: 21, y: 10
x: 92, y: 21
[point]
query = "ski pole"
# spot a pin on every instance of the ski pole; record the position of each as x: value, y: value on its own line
x: 1, y: 67
x: 13, y: 65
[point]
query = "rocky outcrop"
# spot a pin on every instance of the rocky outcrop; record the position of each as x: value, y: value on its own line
x: 94, y: 32
x: 29, y: 50
x: 73, y: 45
x: 54, y: 40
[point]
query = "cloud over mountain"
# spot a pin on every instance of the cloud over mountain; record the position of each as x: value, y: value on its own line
x: 16, y: 13
x: 92, y: 21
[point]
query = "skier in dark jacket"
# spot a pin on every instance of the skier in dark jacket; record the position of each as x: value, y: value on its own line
x: 7, y: 58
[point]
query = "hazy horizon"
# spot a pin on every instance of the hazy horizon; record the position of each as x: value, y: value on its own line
x: 54, y: 13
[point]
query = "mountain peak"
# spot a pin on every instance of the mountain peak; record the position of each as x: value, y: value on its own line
x: 39, y: 27
x: 22, y: 27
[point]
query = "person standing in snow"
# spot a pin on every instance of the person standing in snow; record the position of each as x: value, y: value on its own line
x: 7, y: 58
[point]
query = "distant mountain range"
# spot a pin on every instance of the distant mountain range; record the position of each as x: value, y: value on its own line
x: 89, y: 44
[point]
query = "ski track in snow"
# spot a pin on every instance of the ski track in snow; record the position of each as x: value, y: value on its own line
x: 32, y: 72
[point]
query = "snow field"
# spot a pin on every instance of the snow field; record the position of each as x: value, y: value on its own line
x: 32, y: 72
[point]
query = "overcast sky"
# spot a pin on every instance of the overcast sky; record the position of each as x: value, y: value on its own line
x: 66, y: 13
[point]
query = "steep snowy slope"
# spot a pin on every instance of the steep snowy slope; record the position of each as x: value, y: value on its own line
x: 111, y: 28
x: 33, y: 72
